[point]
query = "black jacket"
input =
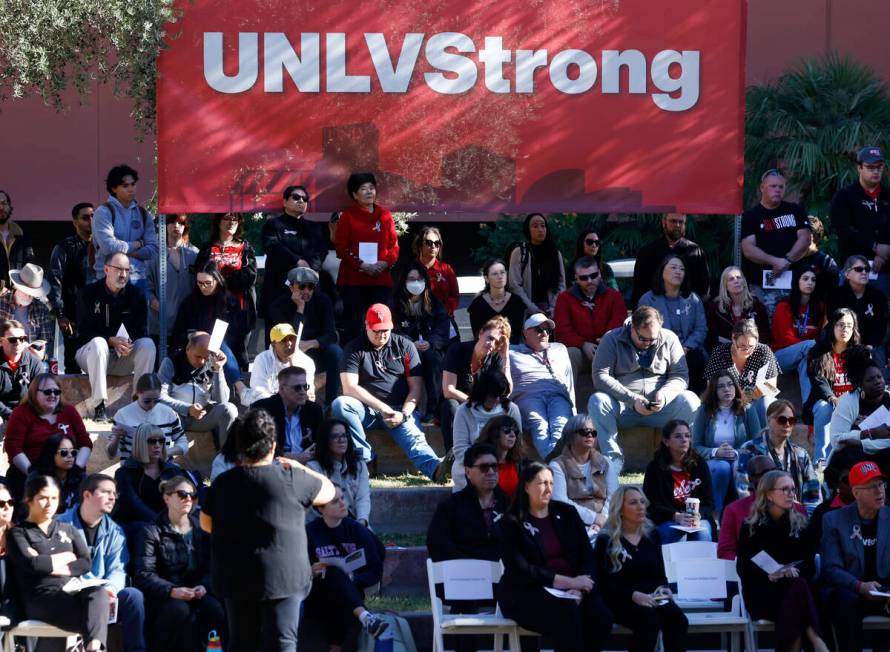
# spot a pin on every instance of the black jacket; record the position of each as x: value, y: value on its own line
x: 859, y: 220
x: 311, y: 416
x: 240, y: 283
x: 522, y: 553
x: 871, y: 311
x: 14, y: 383
x: 68, y: 267
x: 34, y: 572
x: 433, y: 328
x: 457, y: 530
x: 100, y: 313
x: 286, y: 240
x: 162, y: 559
x: 650, y: 255
x: 658, y: 485
x: 199, y: 313
x: 140, y: 499
x: 317, y: 318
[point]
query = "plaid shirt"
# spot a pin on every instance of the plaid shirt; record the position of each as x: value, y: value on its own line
x: 797, y: 464
x: 40, y: 324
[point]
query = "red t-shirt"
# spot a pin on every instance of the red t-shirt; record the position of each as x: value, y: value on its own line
x: 26, y: 432
x: 842, y: 383
x: 508, y: 478
x: 683, y: 487
x: 443, y: 285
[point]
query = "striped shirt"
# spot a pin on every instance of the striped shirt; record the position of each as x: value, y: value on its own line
x: 161, y: 415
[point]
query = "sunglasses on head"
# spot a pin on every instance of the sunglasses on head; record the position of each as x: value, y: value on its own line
x: 16, y: 340
x: 588, y: 277
x: 183, y: 495
x: 592, y: 242
x: 155, y: 441
x: 432, y: 243
x: 486, y: 467
x: 786, y: 421
x: 50, y: 392
x: 7, y: 504
x: 66, y: 452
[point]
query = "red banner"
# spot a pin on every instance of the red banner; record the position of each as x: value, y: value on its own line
x: 455, y: 105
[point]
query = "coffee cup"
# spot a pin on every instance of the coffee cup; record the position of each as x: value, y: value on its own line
x: 692, y: 506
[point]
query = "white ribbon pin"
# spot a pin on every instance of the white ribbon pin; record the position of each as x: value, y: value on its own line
x: 857, y: 534
x: 531, y: 528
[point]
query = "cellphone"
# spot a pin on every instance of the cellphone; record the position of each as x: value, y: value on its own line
x: 648, y: 404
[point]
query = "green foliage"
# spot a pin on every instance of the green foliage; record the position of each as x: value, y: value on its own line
x: 199, y: 229
x: 810, y: 122
x: 51, y: 45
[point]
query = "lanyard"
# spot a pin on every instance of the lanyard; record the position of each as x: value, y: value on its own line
x: 802, y: 322
x: 544, y: 360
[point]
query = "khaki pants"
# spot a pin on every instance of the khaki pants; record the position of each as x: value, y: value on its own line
x: 98, y: 360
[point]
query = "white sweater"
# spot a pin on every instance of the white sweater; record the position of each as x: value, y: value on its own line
x: 264, y: 374
x: 842, y: 431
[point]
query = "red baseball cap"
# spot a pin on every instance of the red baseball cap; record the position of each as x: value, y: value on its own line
x: 379, y: 318
x: 863, y: 473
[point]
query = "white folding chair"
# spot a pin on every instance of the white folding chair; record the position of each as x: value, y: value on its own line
x: 36, y: 629
x: 732, y: 622
x: 463, y: 576
x: 685, y: 550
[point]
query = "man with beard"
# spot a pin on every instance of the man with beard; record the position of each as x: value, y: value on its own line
x: 16, y: 244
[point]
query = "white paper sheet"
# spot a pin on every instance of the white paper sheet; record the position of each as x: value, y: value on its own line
x: 701, y: 579
x: 767, y: 387
x: 769, y: 565
x: 367, y: 252
x: 559, y: 593
x: 78, y: 584
x: 684, y: 528
x: 879, y: 594
x: 872, y: 276
x: 122, y: 332
x: 217, y: 335
x: 465, y: 582
x: 348, y: 564
x: 780, y: 282
x: 880, y: 417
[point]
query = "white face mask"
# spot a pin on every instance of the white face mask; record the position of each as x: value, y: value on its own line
x: 415, y: 287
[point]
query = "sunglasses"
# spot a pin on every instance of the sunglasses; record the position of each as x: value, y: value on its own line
x: 16, y: 340
x: 149, y: 401
x: 298, y: 197
x: 432, y: 243
x: 337, y: 436
x: 231, y: 218
x: 486, y: 467
x: 786, y: 421
x: 591, y: 242
x: 66, y: 452
x: 859, y: 269
x: 587, y: 277
x: 50, y: 392
x: 7, y: 504
x: 306, y: 286
x: 304, y: 387
x: 506, y: 429
x: 586, y: 432
x: 542, y: 330
x: 183, y: 495
x: 153, y: 441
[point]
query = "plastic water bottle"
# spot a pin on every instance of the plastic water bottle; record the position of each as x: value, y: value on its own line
x: 385, y: 642
x: 213, y: 642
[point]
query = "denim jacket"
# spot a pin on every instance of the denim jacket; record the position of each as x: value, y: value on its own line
x: 110, y: 555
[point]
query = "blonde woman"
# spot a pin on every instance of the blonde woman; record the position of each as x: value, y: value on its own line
x: 733, y: 302
x: 782, y: 596
x: 632, y: 578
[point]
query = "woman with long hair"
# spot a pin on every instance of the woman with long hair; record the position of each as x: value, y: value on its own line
x: 208, y: 302
x: 40, y: 415
x: 504, y: 435
x: 47, y: 555
x: 797, y: 322
x: 827, y: 371
x: 7, y: 507
x: 337, y: 459
x: 421, y: 317
x: 782, y: 595
x: 579, y: 473
x: 57, y: 461
x: 632, y: 576
x: 495, y: 300
x: 146, y: 408
x: 537, y: 270
x: 676, y: 474
x: 733, y: 302
x: 589, y: 243
x: 427, y: 248
x: 725, y: 422
x: 682, y: 311
x: 364, y: 229
x: 488, y: 399
x: 181, y: 257
x: 235, y: 260
x: 544, y: 545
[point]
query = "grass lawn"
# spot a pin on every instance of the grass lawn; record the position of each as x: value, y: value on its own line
x: 399, y: 602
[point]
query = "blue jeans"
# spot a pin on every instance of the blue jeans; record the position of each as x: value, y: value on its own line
x: 328, y: 358
x: 722, y: 474
x: 673, y: 535
x: 795, y: 357
x: 822, y: 411
x: 407, y: 435
x: 231, y: 370
x: 608, y: 415
x: 544, y: 417
x: 131, y: 617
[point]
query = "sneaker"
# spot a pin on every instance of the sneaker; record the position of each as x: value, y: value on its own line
x: 99, y: 415
x: 428, y: 419
x: 375, y: 625
x: 442, y: 471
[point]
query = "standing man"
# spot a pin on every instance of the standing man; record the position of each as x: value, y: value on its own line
x: 70, y: 268
x: 775, y: 235
x: 103, y: 307
x: 290, y: 240
x: 672, y: 241
x: 855, y: 554
x: 121, y: 225
x: 585, y: 312
x: 17, y: 251
x: 296, y: 417
x: 255, y: 514
x: 108, y: 550
x: 382, y: 382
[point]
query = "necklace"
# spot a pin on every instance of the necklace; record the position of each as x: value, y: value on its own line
x: 499, y: 301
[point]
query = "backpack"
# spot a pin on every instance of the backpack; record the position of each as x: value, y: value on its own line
x: 399, y: 629
x: 523, y: 254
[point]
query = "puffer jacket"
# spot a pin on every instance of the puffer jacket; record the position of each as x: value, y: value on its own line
x: 162, y: 559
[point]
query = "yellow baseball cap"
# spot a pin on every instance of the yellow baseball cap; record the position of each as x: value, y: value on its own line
x: 280, y: 331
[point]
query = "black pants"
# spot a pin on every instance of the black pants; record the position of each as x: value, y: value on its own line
x: 431, y: 362
x: 85, y: 612
x: 696, y: 360
x: 356, y: 301
x: 646, y: 622
x: 274, y: 622
x: 447, y: 410
x: 572, y: 627
x: 331, y: 603
x: 70, y: 341
x: 847, y: 609
x: 182, y: 626
x: 791, y: 604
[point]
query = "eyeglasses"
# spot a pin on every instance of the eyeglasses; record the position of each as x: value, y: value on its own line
x: 66, y: 452
x: 859, y: 269
x: 306, y: 286
x: 643, y: 338
x: 788, y: 491
x: 432, y: 243
x: 298, y: 197
x: 122, y: 270
x: 586, y: 432
x: 485, y: 467
x: 299, y: 387
x: 7, y: 504
x: 592, y: 242
x: 542, y: 330
x: 15, y: 340
x: 746, y: 347
x: 205, y: 284
x: 183, y: 495
x: 880, y: 487
x: 50, y: 392
x: 155, y: 441
x: 587, y: 277
x: 786, y: 421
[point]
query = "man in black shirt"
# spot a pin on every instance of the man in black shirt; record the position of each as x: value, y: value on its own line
x: 775, y: 235
x: 381, y: 377
x: 672, y: 241
x: 861, y: 210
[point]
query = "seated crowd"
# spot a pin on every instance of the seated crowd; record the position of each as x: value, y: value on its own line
x: 699, y: 364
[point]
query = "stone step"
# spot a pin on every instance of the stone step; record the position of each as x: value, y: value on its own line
x: 406, y: 510
x: 404, y: 570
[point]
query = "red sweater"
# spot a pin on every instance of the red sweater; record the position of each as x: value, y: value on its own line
x: 576, y: 323
x: 26, y: 432
x: 358, y: 225
x: 443, y: 285
x: 785, y: 328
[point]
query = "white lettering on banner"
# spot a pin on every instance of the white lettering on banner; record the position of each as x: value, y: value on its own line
x: 455, y: 59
